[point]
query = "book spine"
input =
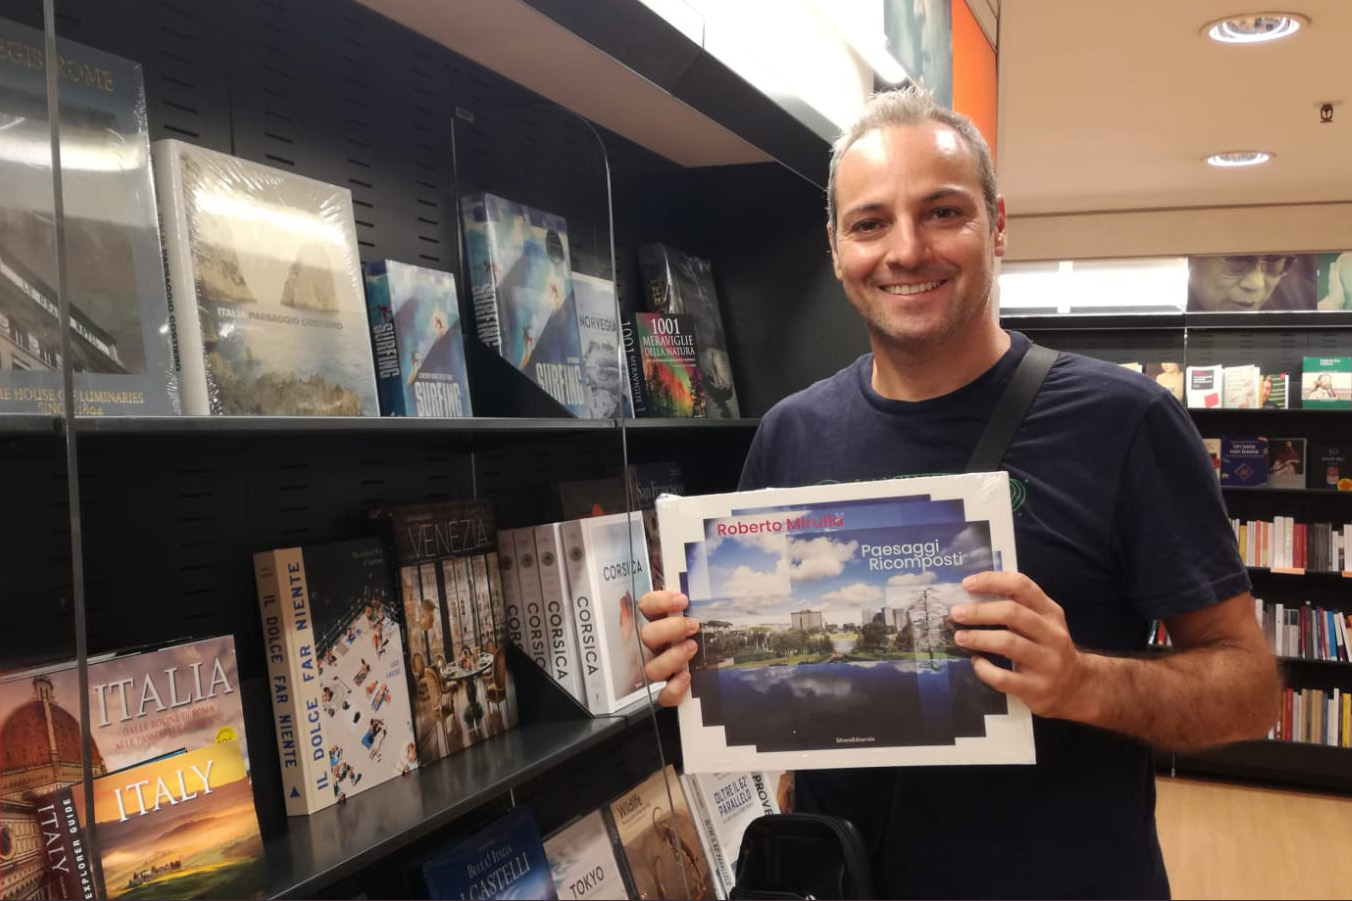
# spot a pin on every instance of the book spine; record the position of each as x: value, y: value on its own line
x: 584, y: 614
x: 707, y: 830
x: 70, y: 869
x: 483, y: 290
x: 532, y: 613
x: 511, y: 585
x: 561, y: 639
x: 384, y: 340
x: 280, y: 648
x: 185, y: 328
x: 633, y: 364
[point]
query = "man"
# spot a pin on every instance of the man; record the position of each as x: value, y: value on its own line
x: 1247, y: 283
x: 1107, y: 539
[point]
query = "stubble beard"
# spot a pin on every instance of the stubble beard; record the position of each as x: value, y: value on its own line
x: 902, y: 333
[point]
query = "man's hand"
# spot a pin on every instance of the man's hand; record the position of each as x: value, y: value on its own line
x: 1048, y: 672
x: 667, y: 634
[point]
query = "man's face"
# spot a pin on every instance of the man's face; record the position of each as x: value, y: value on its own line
x: 913, y: 245
x: 1234, y: 282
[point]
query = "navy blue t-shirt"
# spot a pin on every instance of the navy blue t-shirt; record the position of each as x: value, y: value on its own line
x: 1119, y: 519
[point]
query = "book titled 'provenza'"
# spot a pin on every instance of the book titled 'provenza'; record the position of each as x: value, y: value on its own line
x: 826, y: 637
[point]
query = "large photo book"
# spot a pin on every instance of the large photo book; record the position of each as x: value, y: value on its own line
x: 120, y: 350
x: 826, y: 639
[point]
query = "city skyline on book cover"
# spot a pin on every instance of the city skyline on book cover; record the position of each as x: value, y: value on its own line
x: 680, y: 282
x: 832, y: 603
x: 462, y: 691
x: 521, y: 289
x: 279, y: 326
x: 417, y: 340
x: 120, y: 352
x: 181, y: 826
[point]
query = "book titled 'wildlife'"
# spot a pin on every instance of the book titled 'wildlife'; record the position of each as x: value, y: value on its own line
x: 826, y: 637
x: 521, y: 287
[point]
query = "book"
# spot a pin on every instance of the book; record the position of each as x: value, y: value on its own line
x: 533, y: 638
x: 580, y: 498
x: 724, y: 805
x: 1170, y: 375
x: 826, y: 640
x: 1330, y: 467
x: 1326, y: 383
x: 1203, y: 390
x: 1213, y: 449
x: 1286, y: 462
x: 1275, y: 391
x: 179, y: 826
x: 340, y: 693
x: 556, y: 607
x: 1244, y: 460
x: 678, y: 282
x: 120, y: 349
x: 268, y: 316
x: 1242, y: 385
x: 521, y: 288
x: 511, y: 585
x: 664, y: 369
x: 416, y: 340
x: 607, y: 565
x: 143, y: 705
x: 661, y: 846
x: 599, y: 340
x: 455, y: 623
x: 584, y: 860
x: 506, y: 859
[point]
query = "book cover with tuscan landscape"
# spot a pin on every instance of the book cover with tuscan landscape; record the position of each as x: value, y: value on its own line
x: 267, y: 307
x: 826, y: 639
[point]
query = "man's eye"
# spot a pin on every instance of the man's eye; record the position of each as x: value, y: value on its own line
x: 866, y: 225
x: 945, y: 212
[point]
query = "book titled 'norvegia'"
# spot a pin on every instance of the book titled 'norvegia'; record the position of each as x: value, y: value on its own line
x: 506, y: 860
x: 826, y: 636
x: 119, y: 348
x: 416, y: 340
x: 268, y: 314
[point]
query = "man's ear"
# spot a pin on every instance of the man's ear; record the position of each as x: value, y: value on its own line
x: 831, y: 240
x: 999, y: 225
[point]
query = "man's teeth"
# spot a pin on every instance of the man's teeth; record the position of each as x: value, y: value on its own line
x: 905, y: 290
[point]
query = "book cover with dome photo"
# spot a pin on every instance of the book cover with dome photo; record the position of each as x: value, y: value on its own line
x: 267, y: 307
x: 826, y: 639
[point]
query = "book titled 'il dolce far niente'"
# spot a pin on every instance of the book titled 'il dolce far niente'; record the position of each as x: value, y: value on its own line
x: 826, y: 636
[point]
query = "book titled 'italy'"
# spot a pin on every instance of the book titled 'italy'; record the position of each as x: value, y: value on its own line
x: 827, y: 639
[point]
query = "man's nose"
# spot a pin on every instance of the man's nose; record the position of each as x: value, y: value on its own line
x: 907, y: 245
x: 1254, y: 280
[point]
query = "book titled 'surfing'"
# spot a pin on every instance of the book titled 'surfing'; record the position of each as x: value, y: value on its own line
x: 120, y: 349
x: 521, y: 288
x: 505, y: 860
x: 268, y: 314
x: 826, y: 638
x: 416, y: 340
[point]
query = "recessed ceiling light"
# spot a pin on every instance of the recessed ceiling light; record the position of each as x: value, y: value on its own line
x: 1239, y: 158
x: 1255, y: 27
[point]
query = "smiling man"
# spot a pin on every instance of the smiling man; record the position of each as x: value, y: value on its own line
x: 1107, y: 540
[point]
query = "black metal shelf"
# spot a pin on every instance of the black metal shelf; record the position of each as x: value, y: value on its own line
x: 1299, y: 492
x: 1313, y: 662
x: 1118, y: 321
x: 690, y: 423
x: 29, y: 424
x: 1303, y: 574
x: 1301, y: 764
x: 330, y: 425
x: 1268, y: 411
x: 319, y: 850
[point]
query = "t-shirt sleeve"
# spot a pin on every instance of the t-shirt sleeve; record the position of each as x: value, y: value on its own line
x: 1178, y: 549
x: 756, y: 468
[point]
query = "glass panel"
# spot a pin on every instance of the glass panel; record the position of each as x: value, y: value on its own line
x: 1096, y: 287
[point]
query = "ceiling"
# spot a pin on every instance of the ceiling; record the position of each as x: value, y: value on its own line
x: 1105, y: 109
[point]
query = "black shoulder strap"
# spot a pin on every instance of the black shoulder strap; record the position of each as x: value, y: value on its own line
x: 1009, y: 411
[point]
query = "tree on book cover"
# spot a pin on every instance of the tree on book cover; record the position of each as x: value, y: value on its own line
x: 269, y: 316
x: 179, y: 826
x: 833, y: 601
x: 505, y: 860
x: 666, y: 365
x: 120, y: 352
x: 678, y: 282
x: 521, y: 288
x: 661, y: 844
x: 449, y: 579
x: 416, y: 339
x: 340, y: 696
x: 142, y: 705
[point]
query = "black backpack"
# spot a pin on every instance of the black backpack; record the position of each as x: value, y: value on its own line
x: 802, y: 855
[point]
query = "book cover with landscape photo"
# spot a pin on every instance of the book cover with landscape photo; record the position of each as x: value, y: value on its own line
x: 826, y: 639
x: 268, y: 313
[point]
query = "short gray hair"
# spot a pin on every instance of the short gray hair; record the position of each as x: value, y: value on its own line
x: 912, y: 105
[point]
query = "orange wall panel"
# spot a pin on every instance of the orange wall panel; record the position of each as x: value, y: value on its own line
x: 974, y: 78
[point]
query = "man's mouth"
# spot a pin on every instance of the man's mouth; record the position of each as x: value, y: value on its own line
x: 916, y: 288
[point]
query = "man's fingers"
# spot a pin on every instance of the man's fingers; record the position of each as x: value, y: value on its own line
x: 1013, y: 585
x: 675, y: 689
x: 668, y: 630
x: 657, y: 604
x: 671, y: 661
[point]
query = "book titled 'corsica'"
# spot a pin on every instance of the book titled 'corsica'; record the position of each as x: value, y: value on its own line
x: 521, y: 287
x: 340, y: 702
x: 416, y: 339
x: 268, y: 315
x: 826, y: 637
x: 120, y: 351
x: 506, y: 860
